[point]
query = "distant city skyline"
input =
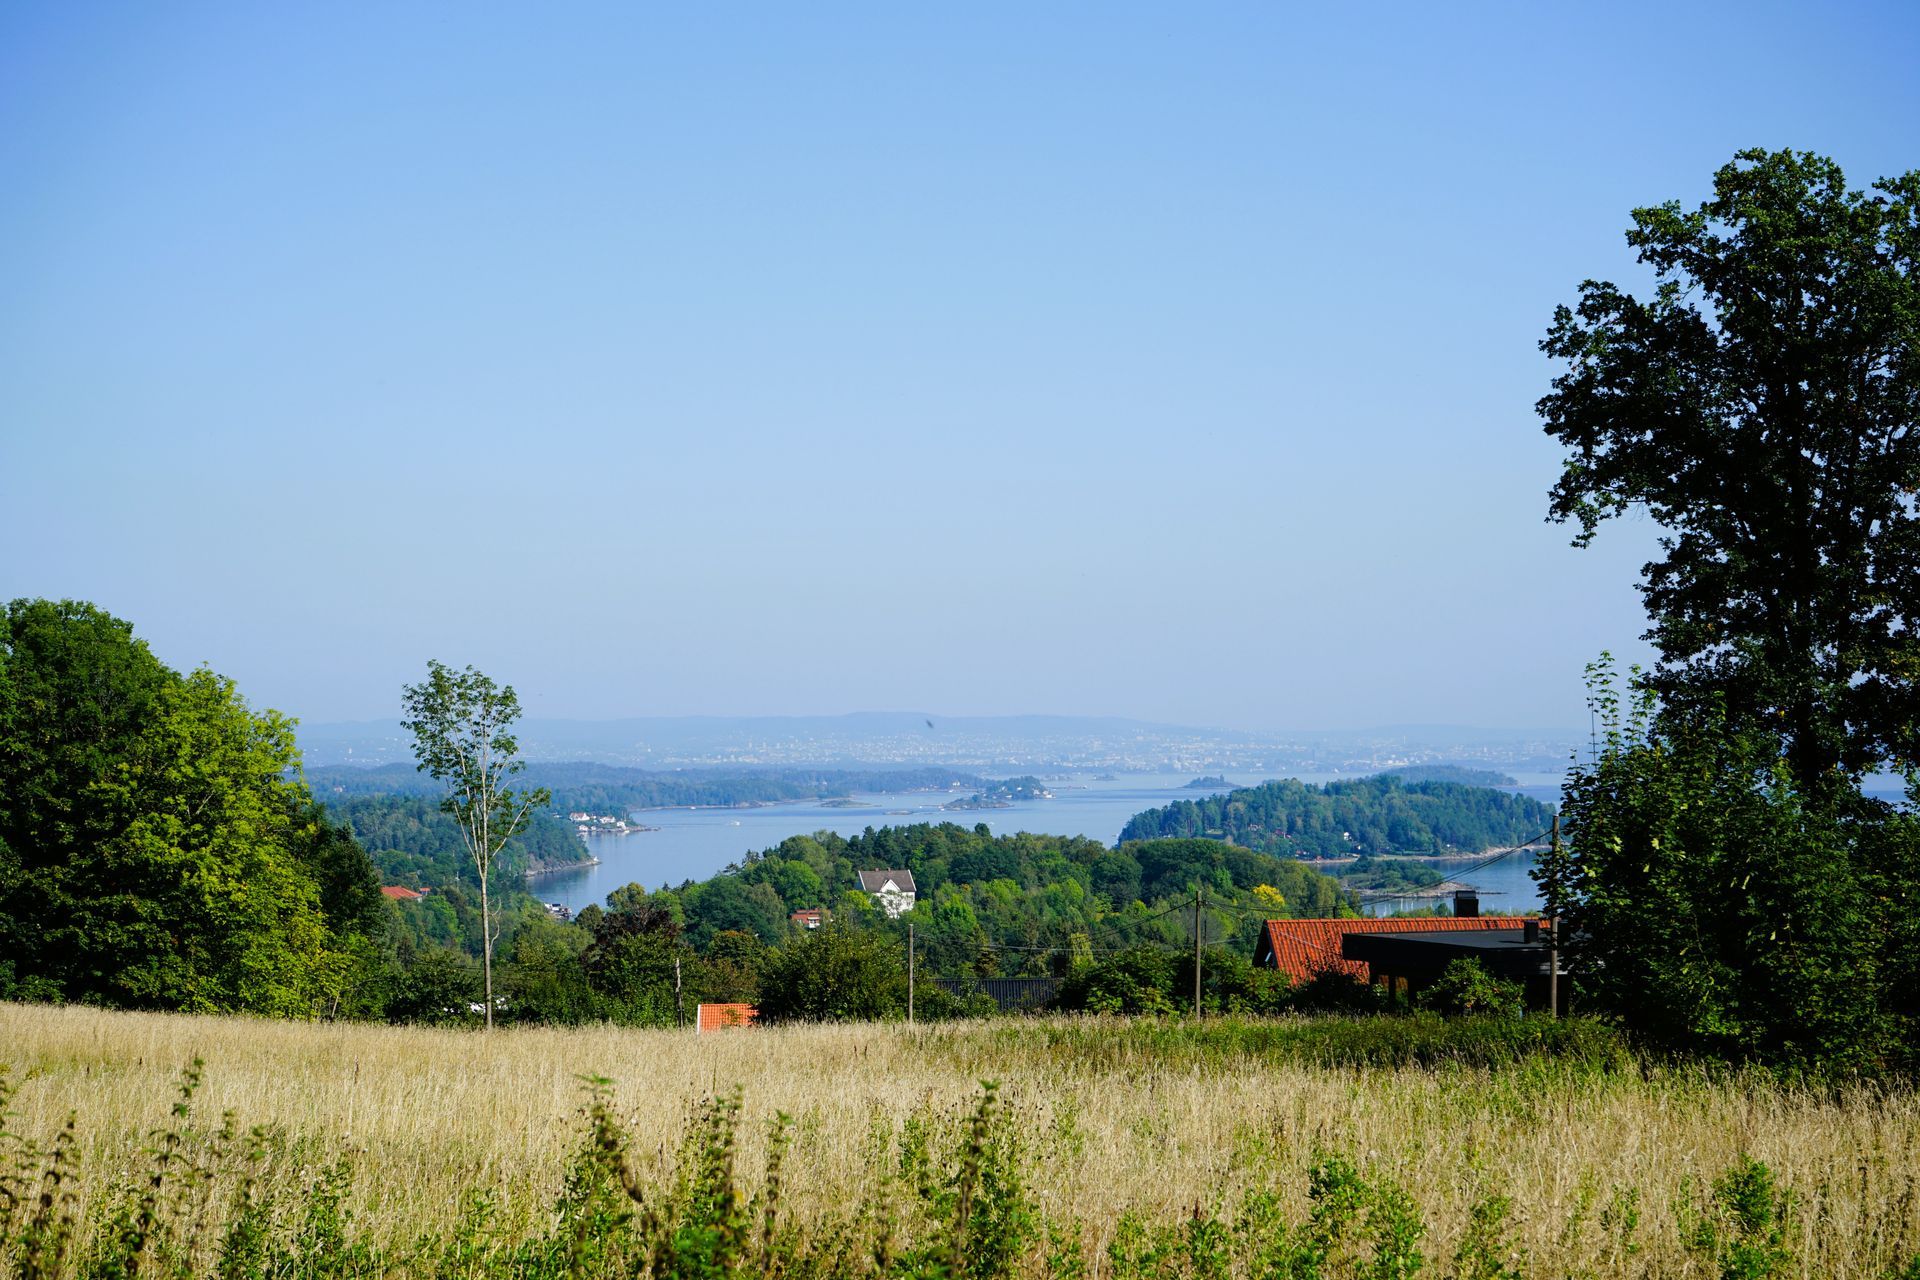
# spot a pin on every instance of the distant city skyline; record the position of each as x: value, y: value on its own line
x: 994, y: 744
x: 1174, y: 365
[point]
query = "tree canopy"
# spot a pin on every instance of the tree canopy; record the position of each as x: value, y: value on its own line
x: 1760, y: 404
x: 156, y: 848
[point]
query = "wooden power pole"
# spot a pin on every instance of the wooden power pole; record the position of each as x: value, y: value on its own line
x: 909, y: 973
x: 1553, y: 929
x: 1199, y: 900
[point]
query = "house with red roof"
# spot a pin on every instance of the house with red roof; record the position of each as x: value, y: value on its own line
x: 401, y: 894
x: 1305, y: 948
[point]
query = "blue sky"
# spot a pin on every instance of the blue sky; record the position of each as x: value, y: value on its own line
x: 1148, y: 360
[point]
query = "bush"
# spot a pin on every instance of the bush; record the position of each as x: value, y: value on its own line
x: 1466, y: 987
x: 837, y: 974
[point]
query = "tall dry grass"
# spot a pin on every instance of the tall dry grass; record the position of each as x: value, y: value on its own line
x: 1112, y: 1125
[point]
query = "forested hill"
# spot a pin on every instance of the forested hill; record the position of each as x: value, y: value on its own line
x: 601, y: 788
x: 1008, y: 905
x: 1376, y: 815
x: 413, y: 843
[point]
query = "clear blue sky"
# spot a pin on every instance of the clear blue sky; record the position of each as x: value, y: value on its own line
x: 1174, y: 361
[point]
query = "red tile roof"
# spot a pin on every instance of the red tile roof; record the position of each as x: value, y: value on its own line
x: 399, y: 894
x: 718, y: 1017
x: 1303, y: 948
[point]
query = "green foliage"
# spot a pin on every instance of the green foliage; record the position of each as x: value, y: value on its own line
x: 835, y: 973
x: 1377, y: 815
x: 414, y: 842
x: 1451, y: 773
x: 1465, y: 987
x: 1728, y: 885
x: 1012, y: 906
x: 1759, y: 405
x: 437, y: 985
x: 1155, y: 980
x: 1139, y: 980
x: 631, y: 964
x: 1741, y: 1230
x: 1484, y: 1252
x: 1716, y: 904
x: 156, y: 847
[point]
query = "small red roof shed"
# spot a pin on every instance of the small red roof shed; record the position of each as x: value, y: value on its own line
x: 718, y: 1017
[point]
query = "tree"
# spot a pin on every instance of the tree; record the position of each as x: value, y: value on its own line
x: 462, y: 736
x: 633, y: 957
x: 834, y: 973
x: 1727, y: 883
x: 1716, y: 905
x: 1761, y: 406
x: 156, y: 847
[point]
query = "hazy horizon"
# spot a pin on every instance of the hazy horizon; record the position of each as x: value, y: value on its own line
x: 770, y: 361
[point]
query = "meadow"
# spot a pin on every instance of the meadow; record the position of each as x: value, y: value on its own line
x: 1105, y: 1148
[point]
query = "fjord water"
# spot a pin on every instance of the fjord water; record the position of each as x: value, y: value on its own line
x: 692, y: 844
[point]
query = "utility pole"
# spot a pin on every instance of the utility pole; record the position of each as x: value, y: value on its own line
x: 1199, y: 900
x: 909, y: 973
x: 1553, y: 929
x: 679, y: 1008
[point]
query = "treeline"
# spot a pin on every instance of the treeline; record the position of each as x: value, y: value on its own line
x: 414, y: 844
x: 1451, y: 773
x: 1382, y: 814
x: 600, y: 788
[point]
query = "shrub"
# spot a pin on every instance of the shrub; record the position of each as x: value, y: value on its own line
x: 1466, y: 987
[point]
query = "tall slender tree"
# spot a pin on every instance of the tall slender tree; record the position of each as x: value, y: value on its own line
x: 462, y: 725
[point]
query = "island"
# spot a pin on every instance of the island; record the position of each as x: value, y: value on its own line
x: 1003, y: 795
x: 1382, y: 814
x: 1209, y: 783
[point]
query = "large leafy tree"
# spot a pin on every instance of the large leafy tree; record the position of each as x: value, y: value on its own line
x: 462, y: 726
x: 1762, y: 404
x: 156, y: 849
x: 1729, y: 885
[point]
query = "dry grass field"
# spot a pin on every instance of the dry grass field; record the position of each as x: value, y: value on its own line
x: 1607, y: 1170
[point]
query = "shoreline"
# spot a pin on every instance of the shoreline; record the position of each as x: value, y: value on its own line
x: 558, y: 868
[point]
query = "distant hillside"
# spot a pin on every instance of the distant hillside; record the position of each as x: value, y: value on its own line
x: 1452, y: 773
x: 411, y: 842
x: 601, y: 788
x: 1376, y: 815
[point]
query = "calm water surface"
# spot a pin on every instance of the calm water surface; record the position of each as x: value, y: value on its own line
x: 692, y: 844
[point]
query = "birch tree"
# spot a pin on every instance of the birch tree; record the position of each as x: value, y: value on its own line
x: 462, y: 736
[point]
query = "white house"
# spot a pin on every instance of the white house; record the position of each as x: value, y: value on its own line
x: 892, y: 891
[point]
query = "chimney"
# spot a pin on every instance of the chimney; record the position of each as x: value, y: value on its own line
x: 1466, y: 902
